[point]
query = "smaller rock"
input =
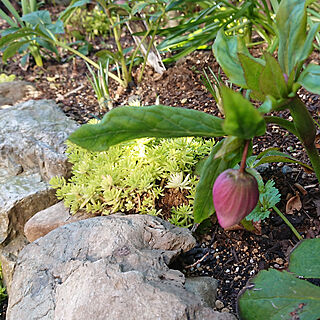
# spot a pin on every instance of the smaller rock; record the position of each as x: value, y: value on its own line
x: 49, y: 219
x: 225, y: 310
x: 12, y: 92
x: 263, y: 167
x: 286, y: 169
x: 203, y: 287
x: 219, y: 304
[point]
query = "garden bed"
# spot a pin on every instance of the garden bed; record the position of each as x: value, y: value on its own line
x: 233, y: 256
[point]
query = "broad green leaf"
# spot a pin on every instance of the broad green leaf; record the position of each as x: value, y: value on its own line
x: 308, y: 45
x: 252, y: 72
x: 203, y: 203
x: 305, y: 259
x: 310, y: 78
x: 271, y: 81
x: 126, y: 123
x: 230, y: 145
x: 22, y: 33
x: 294, y: 44
x: 243, y: 120
x: 274, y: 295
x: 226, y: 51
x: 12, y: 49
x: 38, y: 17
x: 267, y: 105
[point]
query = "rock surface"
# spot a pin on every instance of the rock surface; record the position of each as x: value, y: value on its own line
x: 111, y: 268
x: 49, y: 219
x: 32, y: 136
x: 13, y: 91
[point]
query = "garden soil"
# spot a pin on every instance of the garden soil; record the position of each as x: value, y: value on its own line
x: 233, y: 256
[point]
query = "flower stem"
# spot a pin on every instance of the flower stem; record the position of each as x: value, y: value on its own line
x: 288, y: 223
x: 244, y: 156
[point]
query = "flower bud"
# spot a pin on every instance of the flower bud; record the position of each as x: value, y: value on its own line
x: 235, y: 195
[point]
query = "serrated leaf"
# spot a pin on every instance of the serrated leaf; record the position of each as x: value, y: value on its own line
x: 310, y: 78
x: 271, y: 81
x: 203, y: 203
x: 305, y: 260
x: 274, y: 295
x: 126, y: 123
x: 243, y: 120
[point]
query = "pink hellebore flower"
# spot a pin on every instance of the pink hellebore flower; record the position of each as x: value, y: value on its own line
x: 235, y: 195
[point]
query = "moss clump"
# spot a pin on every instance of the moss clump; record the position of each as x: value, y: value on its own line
x: 134, y: 177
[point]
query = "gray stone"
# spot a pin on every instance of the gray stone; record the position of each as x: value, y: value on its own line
x: 49, y: 219
x: 203, y: 287
x: 32, y: 138
x: 101, y: 268
x: 14, y: 91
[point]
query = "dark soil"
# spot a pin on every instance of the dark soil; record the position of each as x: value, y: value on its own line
x: 232, y: 257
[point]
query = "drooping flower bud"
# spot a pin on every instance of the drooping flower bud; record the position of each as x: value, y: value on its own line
x: 235, y: 195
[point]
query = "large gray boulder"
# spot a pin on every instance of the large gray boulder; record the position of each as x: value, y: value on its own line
x: 111, y: 268
x: 32, y: 136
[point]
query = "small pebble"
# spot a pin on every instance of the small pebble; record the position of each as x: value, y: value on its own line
x: 225, y: 310
x: 286, y: 169
x: 219, y: 304
x: 279, y: 261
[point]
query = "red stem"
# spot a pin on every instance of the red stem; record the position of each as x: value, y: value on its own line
x: 244, y: 156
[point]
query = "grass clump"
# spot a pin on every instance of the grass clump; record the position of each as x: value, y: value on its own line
x: 138, y: 176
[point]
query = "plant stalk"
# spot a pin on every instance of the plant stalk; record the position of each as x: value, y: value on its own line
x: 288, y: 223
x: 244, y: 156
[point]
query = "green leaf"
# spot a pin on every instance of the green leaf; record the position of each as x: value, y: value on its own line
x: 281, y: 158
x: 294, y: 44
x: 310, y: 78
x: 21, y: 33
x: 38, y: 17
x: 12, y: 49
x: 252, y: 72
x: 226, y: 51
x: 271, y: 81
x: 230, y: 145
x: 213, y: 166
x: 274, y: 295
x: 126, y: 123
x: 243, y: 120
x: 305, y: 260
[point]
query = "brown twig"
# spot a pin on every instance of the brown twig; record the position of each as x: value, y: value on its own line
x: 198, y: 261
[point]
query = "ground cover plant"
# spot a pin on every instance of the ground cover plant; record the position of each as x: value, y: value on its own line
x: 272, y: 82
x: 134, y: 177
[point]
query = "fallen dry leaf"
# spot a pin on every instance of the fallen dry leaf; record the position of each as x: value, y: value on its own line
x: 294, y: 203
